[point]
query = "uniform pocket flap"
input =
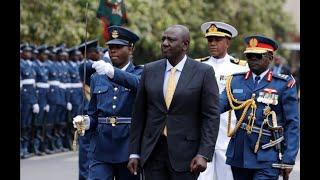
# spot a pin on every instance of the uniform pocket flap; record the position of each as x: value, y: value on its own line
x: 100, y: 89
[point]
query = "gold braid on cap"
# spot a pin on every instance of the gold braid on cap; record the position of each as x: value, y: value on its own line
x: 242, y: 105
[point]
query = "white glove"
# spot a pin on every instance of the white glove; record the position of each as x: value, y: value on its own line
x: 103, y: 67
x: 47, y: 108
x: 82, y: 121
x: 35, y: 108
x: 69, y: 106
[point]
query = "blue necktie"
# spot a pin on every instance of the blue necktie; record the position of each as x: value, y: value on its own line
x: 256, y: 81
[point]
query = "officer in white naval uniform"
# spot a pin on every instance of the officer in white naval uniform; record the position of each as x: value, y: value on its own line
x: 219, y: 36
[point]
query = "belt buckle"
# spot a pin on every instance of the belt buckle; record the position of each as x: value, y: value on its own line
x: 113, y: 121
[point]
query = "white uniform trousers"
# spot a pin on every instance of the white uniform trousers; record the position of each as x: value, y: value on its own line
x: 217, y: 169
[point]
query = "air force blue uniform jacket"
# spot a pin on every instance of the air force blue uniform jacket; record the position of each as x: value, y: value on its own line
x: 240, y: 152
x: 112, y: 97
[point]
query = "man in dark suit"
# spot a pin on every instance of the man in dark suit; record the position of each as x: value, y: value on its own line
x: 176, y: 114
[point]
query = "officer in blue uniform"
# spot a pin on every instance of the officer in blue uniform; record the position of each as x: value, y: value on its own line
x: 34, y: 52
x: 28, y: 102
x: 64, y: 107
x: 42, y: 88
x: 265, y: 140
x: 113, y: 90
x: 54, y: 98
x: 92, y: 55
x: 75, y: 83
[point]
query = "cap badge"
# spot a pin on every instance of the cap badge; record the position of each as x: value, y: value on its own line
x: 115, y: 34
x: 253, y: 42
x: 213, y: 28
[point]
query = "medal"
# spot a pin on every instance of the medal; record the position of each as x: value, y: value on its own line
x: 268, y: 96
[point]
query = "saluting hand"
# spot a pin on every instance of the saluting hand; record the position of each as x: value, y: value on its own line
x: 103, y: 67
x: 198, y: 164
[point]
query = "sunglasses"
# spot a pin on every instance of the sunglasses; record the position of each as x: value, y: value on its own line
x: 254, y: 55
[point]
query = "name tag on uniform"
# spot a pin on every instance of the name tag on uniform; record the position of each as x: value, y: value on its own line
x: 237, y: 91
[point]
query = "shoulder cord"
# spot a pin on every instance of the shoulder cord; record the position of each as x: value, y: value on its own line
x: 242, y: 105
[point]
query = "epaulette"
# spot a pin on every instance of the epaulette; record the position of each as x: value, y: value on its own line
x: 238, y: 61
x: 282, y: 76
x: 202, y: 59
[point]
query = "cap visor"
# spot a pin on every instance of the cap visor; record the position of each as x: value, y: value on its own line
x: 118, y: 42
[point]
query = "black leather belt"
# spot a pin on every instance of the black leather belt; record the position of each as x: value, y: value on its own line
x: 114, y: 120
x: 256, y: 129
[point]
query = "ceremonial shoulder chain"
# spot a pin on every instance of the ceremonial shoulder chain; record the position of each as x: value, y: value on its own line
x: 241, y: 105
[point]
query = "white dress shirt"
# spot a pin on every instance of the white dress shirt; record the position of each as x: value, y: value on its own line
x: 261, y: 75
x: 179, y: 68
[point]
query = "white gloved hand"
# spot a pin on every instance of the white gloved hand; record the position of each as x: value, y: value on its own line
x: 69, y: 106
x: 35, y: 108
x: 82, y: 121
x: 46, y: 108
x: 103, y: 67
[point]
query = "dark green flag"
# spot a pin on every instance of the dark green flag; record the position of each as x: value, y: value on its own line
x: 111, y: 12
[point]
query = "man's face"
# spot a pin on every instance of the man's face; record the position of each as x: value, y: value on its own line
x: 77, y: 57
x: 258, y: 63
x: 119, y: 54
x: 26, y: 54
x: 218, y: 46
x: 63, y: 57
x: 172, y: 44
x: 93, y: 55
x: 43, y: 57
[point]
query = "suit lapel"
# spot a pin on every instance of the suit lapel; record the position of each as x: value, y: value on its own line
x: 159, y: 84
x: 185, y: 77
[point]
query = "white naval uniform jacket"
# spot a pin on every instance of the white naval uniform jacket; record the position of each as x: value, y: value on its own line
x: 223, y: 68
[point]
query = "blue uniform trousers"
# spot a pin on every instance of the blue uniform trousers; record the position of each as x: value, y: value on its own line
x: 107, y: 171
x: 84, y: 143
x: 60, y: 127
x: 26, y: 120
x: 26, y: 115
x: 255, y: 174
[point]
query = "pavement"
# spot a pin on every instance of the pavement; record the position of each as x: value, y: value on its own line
x: 60, y: 166
x: 64, y: 166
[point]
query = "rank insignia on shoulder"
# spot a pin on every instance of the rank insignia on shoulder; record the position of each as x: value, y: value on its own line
x: 291, y: 82
x: 238, y: 61
x: 202, y: 59
x: 268, y: 96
